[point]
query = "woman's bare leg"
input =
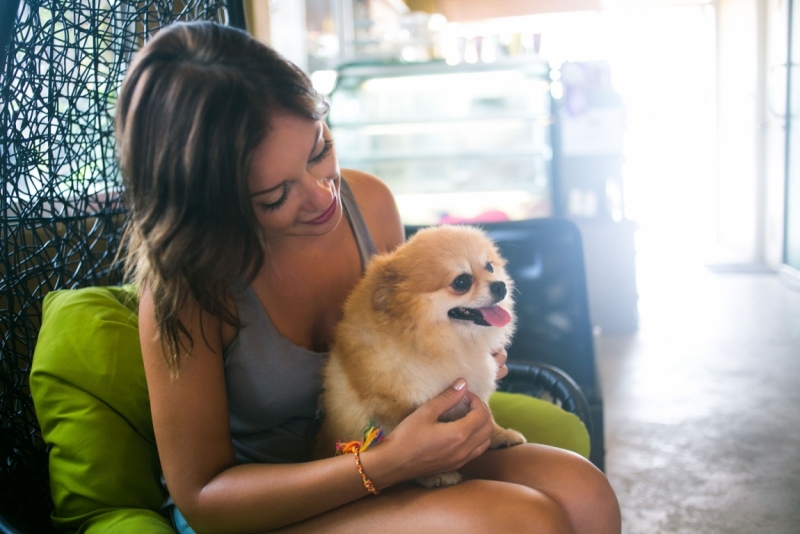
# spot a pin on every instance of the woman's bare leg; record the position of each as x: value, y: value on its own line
x: 576, y: 485
x: 473, y: 506
x: 526, y: 488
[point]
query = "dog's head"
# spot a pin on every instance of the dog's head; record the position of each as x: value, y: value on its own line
x: 450, y: 275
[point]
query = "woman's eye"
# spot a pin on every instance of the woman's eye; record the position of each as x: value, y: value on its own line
x: 271, y: 206
x: 462, y: 283
x: 326, y: 149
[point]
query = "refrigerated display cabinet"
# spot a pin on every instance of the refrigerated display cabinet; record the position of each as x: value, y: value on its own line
x: 455, y: 143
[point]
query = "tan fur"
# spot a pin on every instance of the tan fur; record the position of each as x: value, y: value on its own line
x: 396, y: 348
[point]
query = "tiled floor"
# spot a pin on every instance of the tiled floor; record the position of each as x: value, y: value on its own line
x: 702, y: 406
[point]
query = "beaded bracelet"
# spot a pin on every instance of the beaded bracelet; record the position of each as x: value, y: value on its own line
x: 367, y: 482
x: 373, y: 435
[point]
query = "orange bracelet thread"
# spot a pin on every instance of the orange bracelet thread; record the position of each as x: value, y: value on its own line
x: 367, y: 482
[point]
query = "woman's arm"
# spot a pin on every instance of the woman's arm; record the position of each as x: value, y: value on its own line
x: 190, y: 418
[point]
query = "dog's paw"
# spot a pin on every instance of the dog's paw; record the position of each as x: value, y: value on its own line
x: 440, y: 479
x: 506, y: 437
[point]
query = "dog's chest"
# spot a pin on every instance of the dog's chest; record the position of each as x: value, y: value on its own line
x: 419, y: 378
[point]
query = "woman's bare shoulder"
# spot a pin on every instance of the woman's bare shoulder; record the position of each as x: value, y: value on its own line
x: 378, y: 206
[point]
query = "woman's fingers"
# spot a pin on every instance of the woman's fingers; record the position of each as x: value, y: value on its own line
x: 433, y: 446
x: 477, y: 451
x: 500, y: 358
x: 481, y: 419
x: 446, y: 400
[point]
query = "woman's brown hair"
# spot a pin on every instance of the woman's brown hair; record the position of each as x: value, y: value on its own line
x: 195, y: 102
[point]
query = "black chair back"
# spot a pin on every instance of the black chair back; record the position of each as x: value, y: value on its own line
x: 61, y: 212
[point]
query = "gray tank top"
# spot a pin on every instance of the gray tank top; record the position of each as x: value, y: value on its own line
x: 274, y: 385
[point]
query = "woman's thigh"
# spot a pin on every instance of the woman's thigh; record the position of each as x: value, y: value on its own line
x: 473, y: 506
x: 575, y: 484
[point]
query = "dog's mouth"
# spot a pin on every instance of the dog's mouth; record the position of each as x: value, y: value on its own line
x: 488, y: 316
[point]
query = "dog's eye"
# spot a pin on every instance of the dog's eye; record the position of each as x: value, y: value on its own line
x: 462, y: 283
x: 490, y: 267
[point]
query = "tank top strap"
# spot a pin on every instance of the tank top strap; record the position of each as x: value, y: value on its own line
x: 366, y: 246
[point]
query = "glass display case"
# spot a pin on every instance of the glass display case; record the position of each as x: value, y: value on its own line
x: 466, y: 142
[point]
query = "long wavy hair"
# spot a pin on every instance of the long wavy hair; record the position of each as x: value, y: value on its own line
x: 196, y: 101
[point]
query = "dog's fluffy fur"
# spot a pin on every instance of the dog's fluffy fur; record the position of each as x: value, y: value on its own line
x: 416, y: 322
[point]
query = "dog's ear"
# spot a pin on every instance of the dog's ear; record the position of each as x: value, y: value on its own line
x: 385, y: 284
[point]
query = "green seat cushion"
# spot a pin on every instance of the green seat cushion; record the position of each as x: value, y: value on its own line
x: 127, y: 521
x: 540, y: 421
x: 90, y: 395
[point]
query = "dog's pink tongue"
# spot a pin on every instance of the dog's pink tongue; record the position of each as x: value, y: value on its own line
x: 495, y: 315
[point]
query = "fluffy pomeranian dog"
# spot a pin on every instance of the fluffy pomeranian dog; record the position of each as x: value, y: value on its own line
x: 434, y: 310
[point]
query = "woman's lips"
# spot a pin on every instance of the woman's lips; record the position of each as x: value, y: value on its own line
x: 325, y: 217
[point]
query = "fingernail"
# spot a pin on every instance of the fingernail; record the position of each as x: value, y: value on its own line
x: 459, y: 384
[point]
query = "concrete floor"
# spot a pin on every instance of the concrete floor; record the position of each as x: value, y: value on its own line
x: 702, y: 406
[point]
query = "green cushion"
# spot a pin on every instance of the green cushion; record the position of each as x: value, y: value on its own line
x: 127, y: 521
x: 90, y: 394
x: 540, y: 421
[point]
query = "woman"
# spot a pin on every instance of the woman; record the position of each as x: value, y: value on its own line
x: 245, y: 239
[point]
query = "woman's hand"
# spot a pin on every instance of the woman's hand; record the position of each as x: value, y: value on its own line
x: 421, y: 445
x: 500, y: 358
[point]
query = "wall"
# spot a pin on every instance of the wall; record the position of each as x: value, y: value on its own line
x: 752, y: 48
x: 737, y: 185
x: 775, y: 42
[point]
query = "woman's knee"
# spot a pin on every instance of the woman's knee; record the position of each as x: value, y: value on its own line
x: 591, y: 498
x: 508, y: 508
x: 582, y: 491
x: 589, y: 481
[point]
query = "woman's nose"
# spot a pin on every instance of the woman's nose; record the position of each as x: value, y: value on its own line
x: 320, y: 192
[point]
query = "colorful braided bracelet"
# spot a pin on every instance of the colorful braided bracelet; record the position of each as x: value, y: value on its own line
x: 372, y: 436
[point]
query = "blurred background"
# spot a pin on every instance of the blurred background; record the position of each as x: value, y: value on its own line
x: 663, y: 130
x: 655, y: 121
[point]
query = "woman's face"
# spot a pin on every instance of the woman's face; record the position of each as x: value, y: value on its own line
x: 294, y: 180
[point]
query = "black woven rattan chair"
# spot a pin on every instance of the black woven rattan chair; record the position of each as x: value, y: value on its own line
x: 61, y: 213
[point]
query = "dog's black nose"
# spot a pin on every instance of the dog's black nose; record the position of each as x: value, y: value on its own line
x: 498, y: 290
